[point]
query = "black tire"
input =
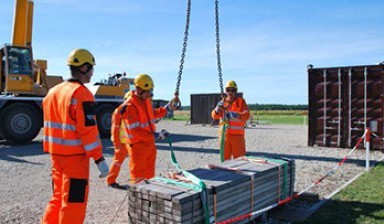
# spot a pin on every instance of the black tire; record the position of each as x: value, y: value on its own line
x: 103, y: 117
x: 20, y: 123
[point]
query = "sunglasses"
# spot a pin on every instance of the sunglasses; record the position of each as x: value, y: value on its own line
x: 230, y: 90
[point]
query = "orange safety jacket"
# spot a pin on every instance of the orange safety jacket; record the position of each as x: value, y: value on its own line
x: 139, y: 119
x: 115, y: 129
x: 236, y: 125
x: 69, y: 121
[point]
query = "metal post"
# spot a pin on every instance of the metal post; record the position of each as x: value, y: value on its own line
x: 350, y: 107
x: 339, y: 110
x: 365, y: 100
x: 325, y: 108
x: 365, y: 97
x: 367, y: 145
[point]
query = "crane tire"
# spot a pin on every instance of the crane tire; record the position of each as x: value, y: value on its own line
x: 21, y: 123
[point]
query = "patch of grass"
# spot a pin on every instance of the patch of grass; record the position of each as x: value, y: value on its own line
x: 180, y: 115
x: 293, y: 117
x: 280, y: 112
x: 361, y: 202
x: 283, y: 119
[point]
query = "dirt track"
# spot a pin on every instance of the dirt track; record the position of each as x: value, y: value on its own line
x: 26, y: 182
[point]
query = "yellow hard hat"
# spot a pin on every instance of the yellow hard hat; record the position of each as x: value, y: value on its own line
x: 79, y: 57
x: 144, y: 81
x: 231, y: 84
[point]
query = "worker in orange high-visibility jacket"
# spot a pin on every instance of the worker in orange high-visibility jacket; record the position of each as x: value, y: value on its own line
x: 139, y: 119
x: 119, y: 143
x: 72, y: 138
x: 234, y: 112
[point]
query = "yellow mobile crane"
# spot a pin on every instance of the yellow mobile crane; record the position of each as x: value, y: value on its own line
x: 24, y: 83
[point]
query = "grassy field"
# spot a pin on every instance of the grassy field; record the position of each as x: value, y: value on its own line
x: 181, y: 115
x: 360, y: 202
x: 263, y: 117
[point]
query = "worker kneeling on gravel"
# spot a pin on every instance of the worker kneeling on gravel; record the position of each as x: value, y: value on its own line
x: 234, y: 112
x: 139, y: 119
x: 119, y: 142
x: 72, y: 138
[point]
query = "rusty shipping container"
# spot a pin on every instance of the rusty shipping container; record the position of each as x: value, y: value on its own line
x: 343, y: 101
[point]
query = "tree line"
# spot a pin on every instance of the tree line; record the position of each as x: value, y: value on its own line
x: 270, y: 107
x: 278, y: 107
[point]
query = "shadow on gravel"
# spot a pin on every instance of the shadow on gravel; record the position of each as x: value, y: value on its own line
x: 188, y: 149
x: 358, y: 162
x: 14, y: 153
x: 188, y: 138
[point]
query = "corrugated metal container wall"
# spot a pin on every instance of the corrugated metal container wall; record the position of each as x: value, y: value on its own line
x: 343, y: 101
x: 202, y: 106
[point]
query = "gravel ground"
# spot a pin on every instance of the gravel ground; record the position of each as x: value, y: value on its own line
x: 26, y: 182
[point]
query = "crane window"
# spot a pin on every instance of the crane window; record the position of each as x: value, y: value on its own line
x: 19, y: 61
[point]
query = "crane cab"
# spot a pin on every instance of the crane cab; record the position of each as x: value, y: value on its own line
x: 16, y: 70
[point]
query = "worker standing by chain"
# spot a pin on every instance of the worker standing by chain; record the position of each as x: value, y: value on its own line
x: 139, y: 119
x: 235, y: 111
x: 72, y: 138
x: 119, y: 142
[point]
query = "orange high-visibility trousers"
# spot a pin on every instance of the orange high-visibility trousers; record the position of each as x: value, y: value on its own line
x: 118, y: 159
x: 70, y: 176
x: 234, y: 146
x: 142, y: 160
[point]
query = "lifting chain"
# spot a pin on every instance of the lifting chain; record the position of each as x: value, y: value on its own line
x: 175, y: 102
x: 218, y: 46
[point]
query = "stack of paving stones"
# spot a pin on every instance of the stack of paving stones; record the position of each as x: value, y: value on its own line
x: 248, y: 186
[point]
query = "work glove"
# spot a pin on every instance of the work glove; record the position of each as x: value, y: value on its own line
x: 163, y: 134
x: 219, y: 106
x: 103, y: 167
x: 168, y: 106
x: 231, y: 115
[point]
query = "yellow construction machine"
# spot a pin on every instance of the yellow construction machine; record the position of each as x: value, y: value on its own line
x: 24, y: 82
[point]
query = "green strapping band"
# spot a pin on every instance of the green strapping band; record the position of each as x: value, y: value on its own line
x: 197, y: 181
x: 284, y: 194
x: 222, y: 141
x: 177, y: 183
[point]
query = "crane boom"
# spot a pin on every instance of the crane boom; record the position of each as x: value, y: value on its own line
x: 22, y: 23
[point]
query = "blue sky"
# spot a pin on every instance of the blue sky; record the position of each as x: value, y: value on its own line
x: 265, y: 45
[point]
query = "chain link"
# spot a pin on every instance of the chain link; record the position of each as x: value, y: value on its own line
x: 218, y: 46
x: 184, y: 50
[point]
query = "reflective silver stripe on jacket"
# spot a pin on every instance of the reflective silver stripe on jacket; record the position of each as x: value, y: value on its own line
x: 144, y: 125
x: 133, y: 125
x: 57, y: 125
x: 92, y: 146
x: 73, y: 101
x: 61, y: 141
